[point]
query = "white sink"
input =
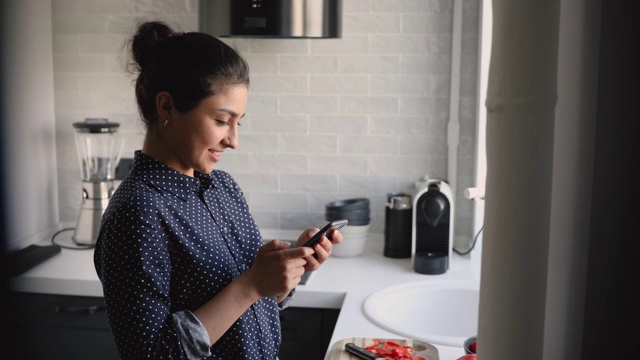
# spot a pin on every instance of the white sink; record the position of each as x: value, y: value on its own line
x: 437, y: 312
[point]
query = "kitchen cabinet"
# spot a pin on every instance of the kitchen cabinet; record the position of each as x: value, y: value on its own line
x: 76, y: 327
x: 59, y: 327
x: 306, y: 332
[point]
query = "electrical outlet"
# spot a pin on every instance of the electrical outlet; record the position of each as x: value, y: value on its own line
x: 123, y: 168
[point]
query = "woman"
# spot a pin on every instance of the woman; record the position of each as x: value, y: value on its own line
x: 180, y: 259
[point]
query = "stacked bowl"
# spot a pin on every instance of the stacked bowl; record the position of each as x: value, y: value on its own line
x: 355, y: 234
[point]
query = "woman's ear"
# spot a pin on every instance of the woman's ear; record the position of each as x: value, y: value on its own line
x: 164, y: 106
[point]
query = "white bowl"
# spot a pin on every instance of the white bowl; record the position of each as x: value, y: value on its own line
x: 355, y: 229
x: 354, y: 239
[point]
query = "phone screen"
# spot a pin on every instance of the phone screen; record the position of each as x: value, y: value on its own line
x: 338, y: 224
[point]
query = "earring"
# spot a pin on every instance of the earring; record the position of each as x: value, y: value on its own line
x: 166, y: 122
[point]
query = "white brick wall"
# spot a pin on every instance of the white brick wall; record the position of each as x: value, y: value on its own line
x: 328, y: 119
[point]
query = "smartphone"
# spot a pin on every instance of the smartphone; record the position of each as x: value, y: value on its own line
x: 337, y: 224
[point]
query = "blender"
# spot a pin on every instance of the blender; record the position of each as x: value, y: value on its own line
x: 99, y: 146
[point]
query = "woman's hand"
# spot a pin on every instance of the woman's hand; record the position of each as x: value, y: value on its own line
x: 322, y: 248
x: 278, y: 269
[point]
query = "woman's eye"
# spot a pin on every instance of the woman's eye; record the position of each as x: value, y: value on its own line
x: 226, y: 123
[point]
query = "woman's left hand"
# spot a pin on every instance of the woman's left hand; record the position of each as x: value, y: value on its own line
x: 322, y: 248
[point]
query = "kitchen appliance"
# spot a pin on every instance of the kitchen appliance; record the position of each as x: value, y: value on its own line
x: 398, y: 225
x: 99, y: 146
x: 432, y: 237
x: 272, y: 18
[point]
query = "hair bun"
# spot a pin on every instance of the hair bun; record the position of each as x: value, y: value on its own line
x: 147, y: 39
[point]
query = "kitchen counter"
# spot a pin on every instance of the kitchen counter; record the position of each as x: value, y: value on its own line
x: 341, y: 283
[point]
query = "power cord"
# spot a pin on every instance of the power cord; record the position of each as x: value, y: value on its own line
x: 472, y: 245
x: 75, y: 247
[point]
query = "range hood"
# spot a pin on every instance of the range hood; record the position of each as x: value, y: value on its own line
x: 272, y: 18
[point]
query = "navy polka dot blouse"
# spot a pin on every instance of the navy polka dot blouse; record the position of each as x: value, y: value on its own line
x: 168, y: 243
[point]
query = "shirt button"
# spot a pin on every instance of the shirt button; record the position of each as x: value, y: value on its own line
x: 224, y: 229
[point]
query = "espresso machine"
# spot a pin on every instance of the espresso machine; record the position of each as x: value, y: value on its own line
x: 432, y: 235
x: 99, y: 147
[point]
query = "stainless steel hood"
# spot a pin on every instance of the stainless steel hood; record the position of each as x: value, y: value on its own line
x: 272, y: 18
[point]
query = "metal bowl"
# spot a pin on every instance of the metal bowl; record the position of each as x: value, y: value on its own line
x: 467, y: 345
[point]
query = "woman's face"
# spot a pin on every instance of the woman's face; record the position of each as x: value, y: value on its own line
x: 198, y: 138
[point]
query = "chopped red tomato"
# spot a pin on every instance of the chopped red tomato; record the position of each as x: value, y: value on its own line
x: 467, y: 357
x: 392, y: 350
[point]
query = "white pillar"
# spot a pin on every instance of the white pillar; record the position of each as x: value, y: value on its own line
x: 541, y: 102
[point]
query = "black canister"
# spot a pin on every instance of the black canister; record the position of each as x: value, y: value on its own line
x: 397, y: 226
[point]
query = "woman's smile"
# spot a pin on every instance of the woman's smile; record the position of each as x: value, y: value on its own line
x: 215, y: 155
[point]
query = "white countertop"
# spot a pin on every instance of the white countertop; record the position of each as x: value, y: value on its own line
x: 341, y: 283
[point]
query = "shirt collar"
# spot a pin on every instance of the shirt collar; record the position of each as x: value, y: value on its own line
x: 164, y: 177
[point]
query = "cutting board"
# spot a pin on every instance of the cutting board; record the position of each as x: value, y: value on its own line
x: 420, y: 348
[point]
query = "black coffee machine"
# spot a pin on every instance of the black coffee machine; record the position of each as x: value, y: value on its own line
x: 432, y: 239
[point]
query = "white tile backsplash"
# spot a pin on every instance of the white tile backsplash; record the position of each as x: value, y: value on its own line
x: 339, y: 84
x: 341, y: 124
x: 372, y: 24
x: 280, y: 163
x: 285, y: 84
x: 308, y: 64
x: 327, y: 119
x: 309, y: 144
x: 308, y: 183
x: 411, y: 85
x: 308, y: 104
x: 278, y: 46
x: 368, y: 105
x: 339, y: 164
x: 401, y: 44
x: 347, y: 44
x: 280, y: 124
x: 368, y: 144
x: 369, y: 64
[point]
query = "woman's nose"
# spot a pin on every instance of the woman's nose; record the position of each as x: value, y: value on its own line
x: 231, y: 140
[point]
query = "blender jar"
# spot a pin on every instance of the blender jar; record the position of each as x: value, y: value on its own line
x: 99, y: 147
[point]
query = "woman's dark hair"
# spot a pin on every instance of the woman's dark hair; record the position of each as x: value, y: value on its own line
x: 190, y: 66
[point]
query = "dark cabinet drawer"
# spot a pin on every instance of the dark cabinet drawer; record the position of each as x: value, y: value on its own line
x: 59, y: 327
x: 59, y: 310
x: 62, y: 327
x: 306, y: 332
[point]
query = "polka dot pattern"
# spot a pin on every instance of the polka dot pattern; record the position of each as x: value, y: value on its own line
x: 169, y: 243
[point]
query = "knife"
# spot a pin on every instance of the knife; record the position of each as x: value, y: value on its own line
x: 361, y: 352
